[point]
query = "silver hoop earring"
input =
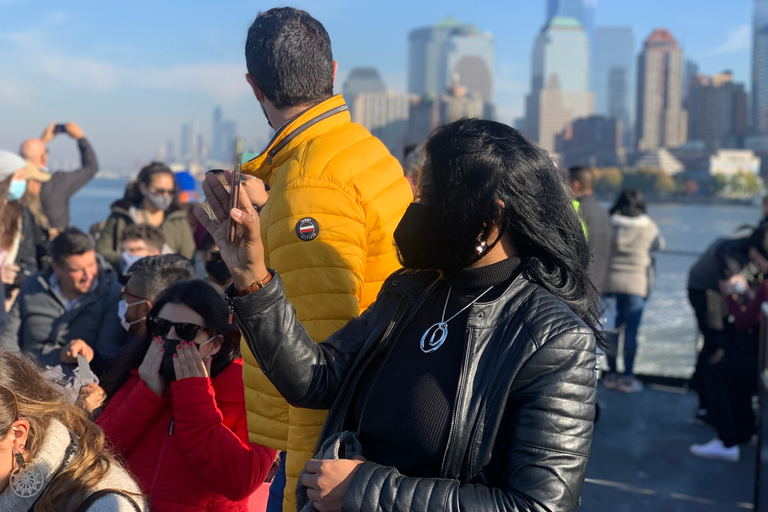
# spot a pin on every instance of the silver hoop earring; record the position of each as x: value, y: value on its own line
x: 26, y: 481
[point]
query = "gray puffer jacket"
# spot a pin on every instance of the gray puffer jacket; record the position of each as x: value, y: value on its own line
x: 521, y: 429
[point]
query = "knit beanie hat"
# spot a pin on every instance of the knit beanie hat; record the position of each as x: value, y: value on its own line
x: 10, y: 163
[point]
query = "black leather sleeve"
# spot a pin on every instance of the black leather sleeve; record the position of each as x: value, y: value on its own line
x: 307, y: 374
x: 547, y: 439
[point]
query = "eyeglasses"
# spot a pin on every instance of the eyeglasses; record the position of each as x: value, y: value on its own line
x: 161, y: 327
x: 162, y: 191
x: 17, y: 417
x: 124, y: 291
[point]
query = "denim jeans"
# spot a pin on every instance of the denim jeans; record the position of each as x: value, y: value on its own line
x: 629, y: 311
x: 276, y: 488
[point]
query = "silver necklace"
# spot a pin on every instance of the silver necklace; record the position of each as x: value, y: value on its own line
x: 439, y: 331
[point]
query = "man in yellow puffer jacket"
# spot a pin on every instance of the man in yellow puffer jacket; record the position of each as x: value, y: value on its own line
x: 336, y: 197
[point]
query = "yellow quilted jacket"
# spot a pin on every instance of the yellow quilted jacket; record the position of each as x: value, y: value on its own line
x: 336, y: 197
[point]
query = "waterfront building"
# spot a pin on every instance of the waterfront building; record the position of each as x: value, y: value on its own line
x: 728, y: 162
x: 717, y: 111
x: 661, y: 119
x: 660, y: 159
x: 559, y: 81
x: 593, y: 141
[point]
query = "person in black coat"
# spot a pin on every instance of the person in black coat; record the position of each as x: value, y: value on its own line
x: 470, y: 382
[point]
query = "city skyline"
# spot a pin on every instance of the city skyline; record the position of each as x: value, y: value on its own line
x: 132, y: 84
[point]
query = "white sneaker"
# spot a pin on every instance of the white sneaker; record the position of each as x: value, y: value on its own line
x: 715, y: 449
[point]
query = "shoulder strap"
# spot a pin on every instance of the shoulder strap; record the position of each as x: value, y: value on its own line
x: 90, y: 500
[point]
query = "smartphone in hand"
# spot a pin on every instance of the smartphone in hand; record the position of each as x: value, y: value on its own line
x: 59, y: 128
x: 234, y: 194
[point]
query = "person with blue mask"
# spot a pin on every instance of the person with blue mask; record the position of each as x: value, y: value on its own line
x: 17, y: 249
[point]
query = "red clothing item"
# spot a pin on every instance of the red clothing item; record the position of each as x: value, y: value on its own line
x: 189, y: 449
x: 748, y: 315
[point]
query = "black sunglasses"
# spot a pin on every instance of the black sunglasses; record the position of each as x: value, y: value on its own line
x: 161, y: 327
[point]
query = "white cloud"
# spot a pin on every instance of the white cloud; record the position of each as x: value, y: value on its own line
x: 739, y: 39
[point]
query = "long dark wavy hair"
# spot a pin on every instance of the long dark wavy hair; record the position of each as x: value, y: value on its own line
x: 204, y: 300
x: 474, y: 164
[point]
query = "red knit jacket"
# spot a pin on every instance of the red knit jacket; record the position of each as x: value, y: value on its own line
x: 189, y: 449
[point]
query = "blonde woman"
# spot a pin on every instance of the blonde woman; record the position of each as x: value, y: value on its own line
x: 52, y: 458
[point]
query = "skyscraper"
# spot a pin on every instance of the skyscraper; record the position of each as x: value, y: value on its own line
x: 559, y: 82
x: 582, y: 10
x: 717, y: 111
x: 661, y: 119
x: 614, y: 74
x: 760, y: 67
x: 363, y: 80
x: 436, y: 55
x: 216, y: 135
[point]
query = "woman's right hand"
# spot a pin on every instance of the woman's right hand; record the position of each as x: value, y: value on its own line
x: 245, y: 256
x: 149, y: 370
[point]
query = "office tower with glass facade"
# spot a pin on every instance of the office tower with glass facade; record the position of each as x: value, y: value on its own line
x: 559, y: 81
x: 614, y: 75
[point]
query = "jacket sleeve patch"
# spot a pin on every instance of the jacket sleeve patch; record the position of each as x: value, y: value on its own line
x: 307, y: 229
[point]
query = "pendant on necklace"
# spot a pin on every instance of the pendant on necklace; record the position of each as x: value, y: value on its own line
x: 436, y: 339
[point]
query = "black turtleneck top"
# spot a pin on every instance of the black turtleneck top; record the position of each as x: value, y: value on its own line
x: 406, y: 400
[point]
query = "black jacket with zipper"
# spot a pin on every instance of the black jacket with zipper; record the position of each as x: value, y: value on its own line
x: 522, y: 425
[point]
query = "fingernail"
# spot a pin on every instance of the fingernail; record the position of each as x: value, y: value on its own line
x: 236, y: 213
x: 183, y: 343
x: 162, y: 349
x: 175, y: 356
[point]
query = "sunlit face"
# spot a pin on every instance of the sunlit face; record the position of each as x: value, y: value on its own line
x: 180, y: 313
x: 138, y: 247
x: 78, y: 272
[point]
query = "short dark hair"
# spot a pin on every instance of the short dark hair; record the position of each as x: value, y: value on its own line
x: 150, y: 234
x: 208, y: 242
x: 630, y: 203
x: 288, y: 53
x: 70, y: 242
x: 583, y: 175
x: 150, y: 276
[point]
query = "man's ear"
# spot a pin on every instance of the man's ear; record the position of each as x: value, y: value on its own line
x: 148, y: 305
x: 335, y: 69
x: 254, y: 86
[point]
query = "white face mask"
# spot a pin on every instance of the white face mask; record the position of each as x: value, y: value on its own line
x: 122, y: 309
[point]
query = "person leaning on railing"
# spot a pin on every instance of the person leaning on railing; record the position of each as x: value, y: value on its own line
x: 493, y: 409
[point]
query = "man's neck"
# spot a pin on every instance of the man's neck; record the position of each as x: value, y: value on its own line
x: 278, y: 118
x: 584, y: 193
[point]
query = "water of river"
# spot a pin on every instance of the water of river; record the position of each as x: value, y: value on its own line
x: 668, y: 332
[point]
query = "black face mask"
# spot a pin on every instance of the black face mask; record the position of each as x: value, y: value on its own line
x: 166, y: 368
x: 425, y: 242
x: 218, y: 272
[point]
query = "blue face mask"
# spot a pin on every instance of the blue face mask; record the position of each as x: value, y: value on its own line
x: 17, y: 189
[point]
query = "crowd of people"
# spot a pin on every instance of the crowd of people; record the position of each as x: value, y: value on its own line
x: 370, y: 338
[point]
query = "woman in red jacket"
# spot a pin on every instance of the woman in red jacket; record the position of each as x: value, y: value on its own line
x: 178, y: 418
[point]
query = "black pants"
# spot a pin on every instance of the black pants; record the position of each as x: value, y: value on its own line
x: 729, y: 385
x: 714, y: 338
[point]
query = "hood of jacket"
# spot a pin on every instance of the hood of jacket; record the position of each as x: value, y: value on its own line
x: 630, y: 230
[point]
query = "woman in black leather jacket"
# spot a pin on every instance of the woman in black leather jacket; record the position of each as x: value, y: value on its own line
x: 470, y: 382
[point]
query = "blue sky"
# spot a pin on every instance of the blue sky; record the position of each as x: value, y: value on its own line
x: 131, y: 72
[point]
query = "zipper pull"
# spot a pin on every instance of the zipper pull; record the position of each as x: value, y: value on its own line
x: 231, y: 312
x: 170, y: 430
